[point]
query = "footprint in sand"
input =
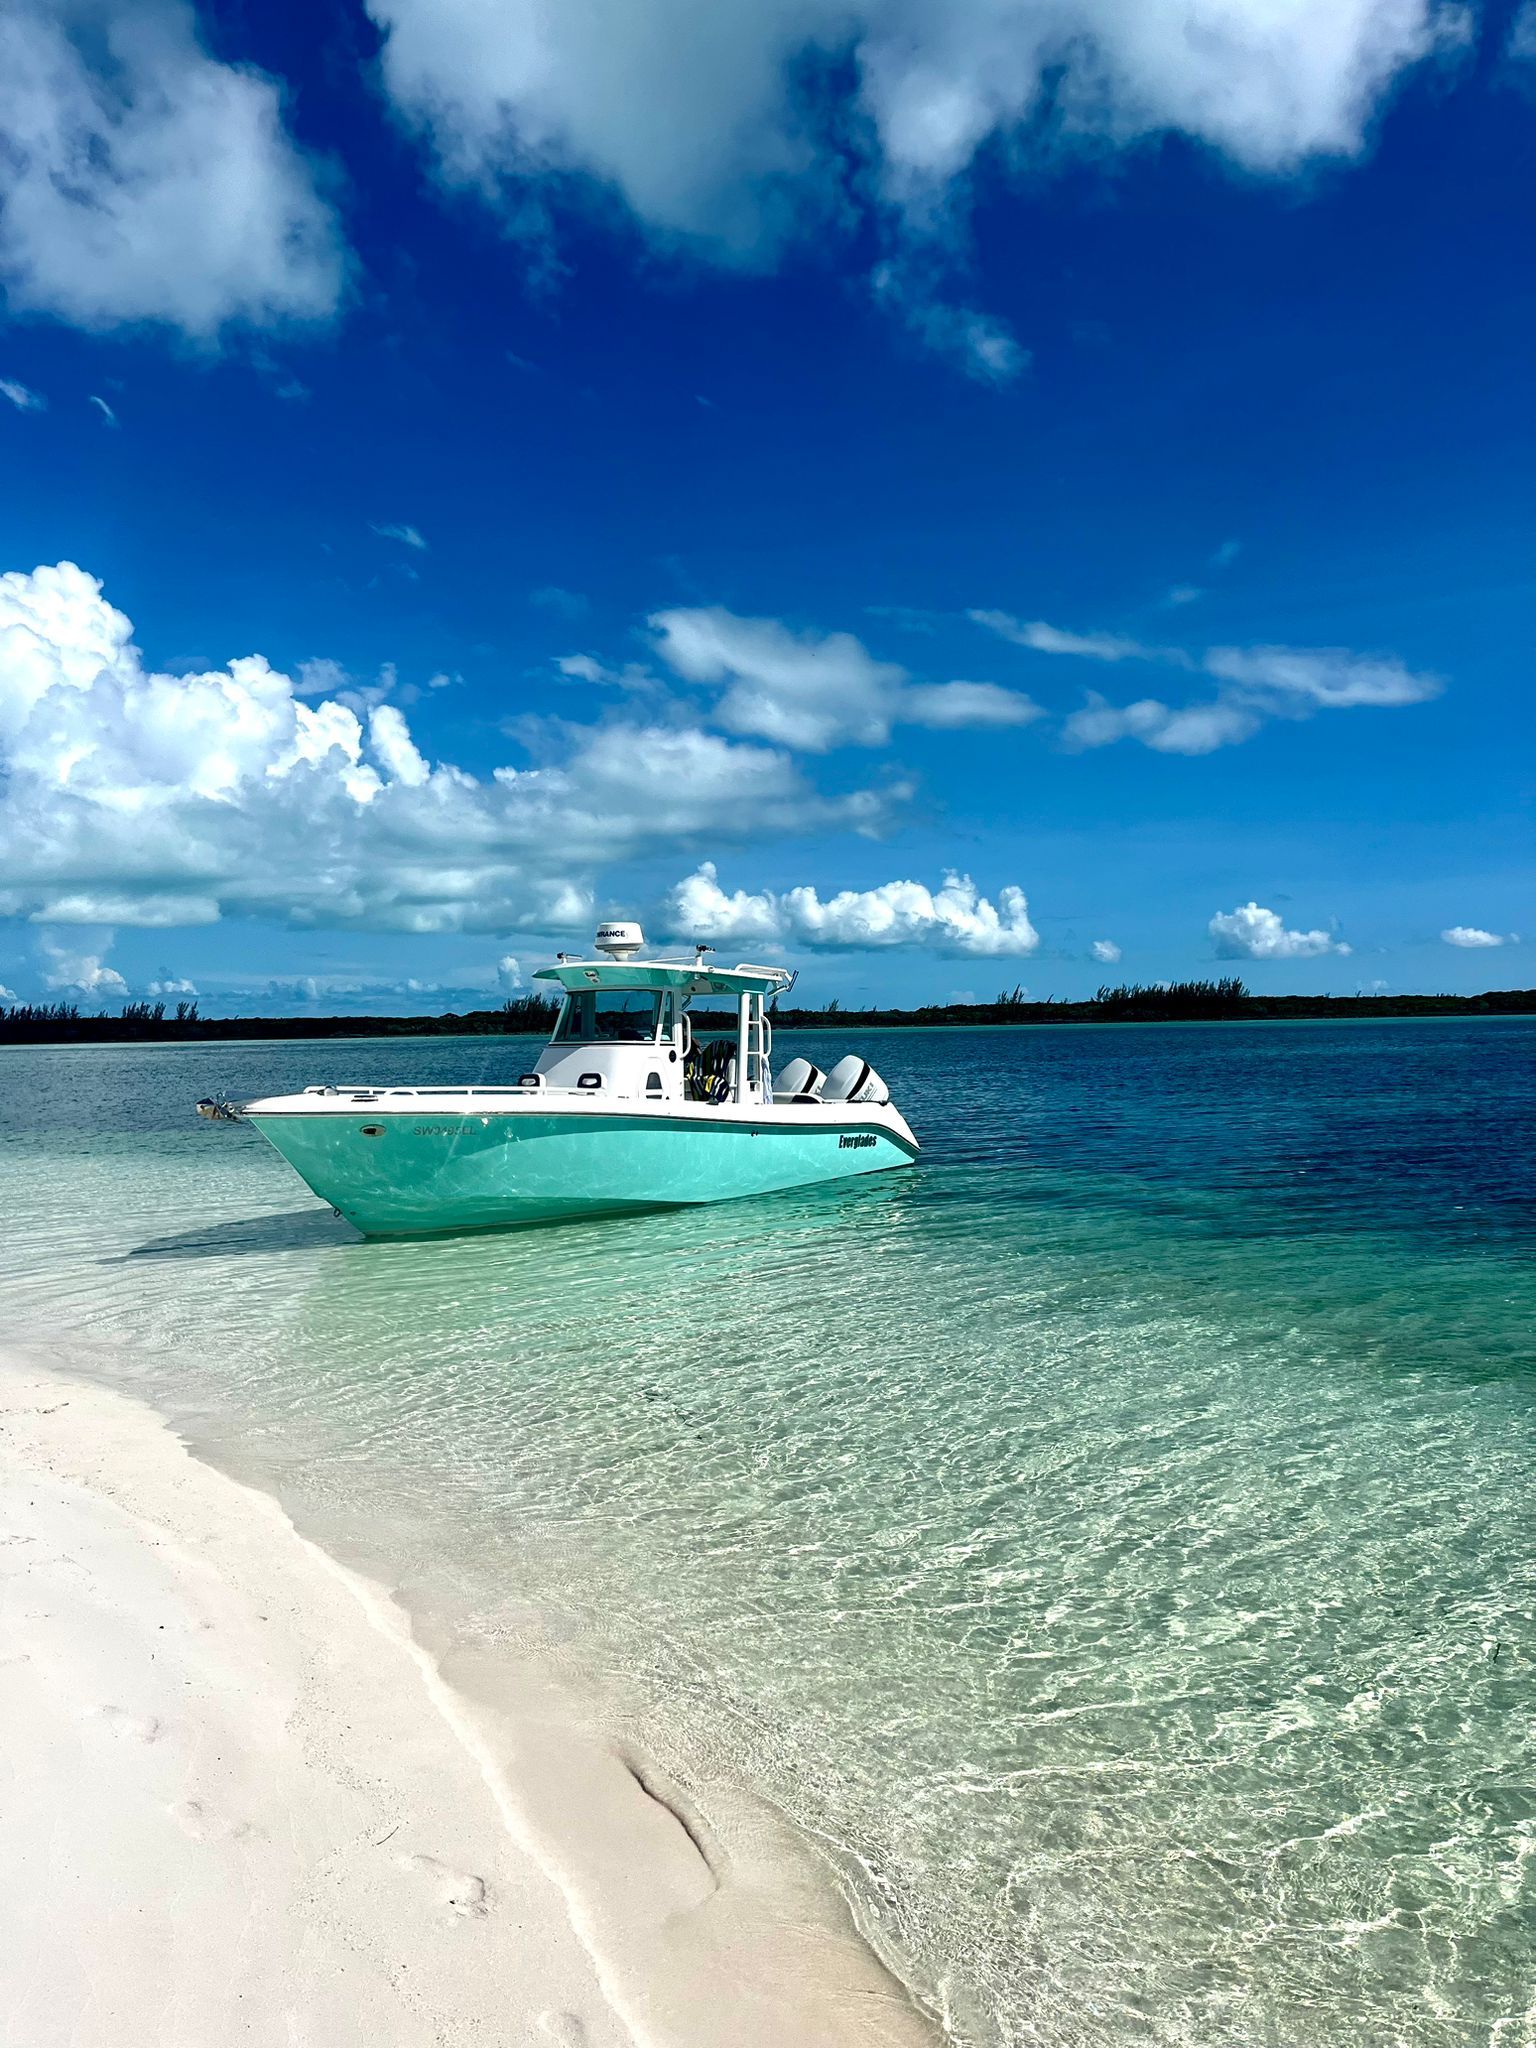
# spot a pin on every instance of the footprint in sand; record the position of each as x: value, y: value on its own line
x: 459, y: 1890
x: 563, y: 2028
x: 129, y: 1727
x: 203, y: 1824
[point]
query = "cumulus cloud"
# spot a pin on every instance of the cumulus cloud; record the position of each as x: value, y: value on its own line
x: 142, y: 180
x: 701, y: 124
x: 815, y: 691
x: 955, y: 919
x: 176, y: 985
x: 737, y: 129
x: 394, y: 749
x: 8, y: 995
x: 72, y: 969
x: 509, y: 976
x: 19, y: 396
x: 1256, y: 684
x: 1472, y: 935
x: 1105, y: 951
x: 133, y: 797
x: 1253, y: 933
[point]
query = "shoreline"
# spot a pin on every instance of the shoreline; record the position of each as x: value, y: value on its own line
x: 852, y: 1022
x: 247, y: 1803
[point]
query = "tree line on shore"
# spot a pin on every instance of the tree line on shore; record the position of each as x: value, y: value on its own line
x: 1161, y: 1002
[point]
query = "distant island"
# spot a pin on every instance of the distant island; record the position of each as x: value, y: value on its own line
x: 1175, y: 1002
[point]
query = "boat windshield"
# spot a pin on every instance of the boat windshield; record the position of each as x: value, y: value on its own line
x: 616, y: 1016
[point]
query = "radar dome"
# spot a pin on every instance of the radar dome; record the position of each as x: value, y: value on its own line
x: 619, y: 941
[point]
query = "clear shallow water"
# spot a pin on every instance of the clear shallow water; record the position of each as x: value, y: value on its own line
x: 1112, y: 1539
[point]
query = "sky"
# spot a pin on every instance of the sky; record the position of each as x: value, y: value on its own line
x: 951, y: 494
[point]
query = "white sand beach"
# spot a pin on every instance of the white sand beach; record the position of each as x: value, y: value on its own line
x: 241, y: 1805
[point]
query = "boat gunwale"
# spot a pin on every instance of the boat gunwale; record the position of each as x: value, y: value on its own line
x: 690, y: 1116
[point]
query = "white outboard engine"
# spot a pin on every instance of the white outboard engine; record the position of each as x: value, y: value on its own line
x: 799, y: 1081
x: 854, y: 1080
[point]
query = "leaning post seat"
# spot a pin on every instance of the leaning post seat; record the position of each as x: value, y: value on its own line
x: 798, y: 1081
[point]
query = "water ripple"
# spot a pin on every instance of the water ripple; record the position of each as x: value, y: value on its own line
x: 1111, y: 1539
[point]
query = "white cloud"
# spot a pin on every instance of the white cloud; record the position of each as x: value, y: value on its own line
x: 509, y: 976
x: 801, y: 690
x: 1473, y: 935
x: 1330, y: 676
x: 74, y: 970
x: 984, y: 347
x: 1182, y: 594
x: 700, y: 909
x: 634, y: 676
x: 1226, y: 554
x: 1192, y: 729
x: 955, y: 919
x: 1044, y: 639
x: 394, y: 749
x: 1257, y: 683
x: 965, y: 705
x: 175, y: 986
x: 132, y: 797
x: 1521, y: 45
x: 320, y: 677
x: 349, y: 993
x: 144, y: 181
x: 106, y: 905
x: 105, y: 410
x: 8, y: 995
x: 814, y: 691
x: 583, y: 668
x: 23, y: 399
x: 1105, y: 951
x: 737, y: 129
x: 1253, y: 933
x: 407, y: 536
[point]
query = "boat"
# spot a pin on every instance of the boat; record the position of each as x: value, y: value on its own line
x: 628, y: 1107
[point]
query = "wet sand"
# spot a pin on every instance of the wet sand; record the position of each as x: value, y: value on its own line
x: 241, y: 1803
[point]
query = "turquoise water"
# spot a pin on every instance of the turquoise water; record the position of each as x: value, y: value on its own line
x: 1111, y: 1539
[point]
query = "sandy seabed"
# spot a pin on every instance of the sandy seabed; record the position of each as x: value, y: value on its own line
x: 239, y: 1803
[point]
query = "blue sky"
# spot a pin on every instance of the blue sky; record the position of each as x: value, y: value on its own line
x: 744, y: 466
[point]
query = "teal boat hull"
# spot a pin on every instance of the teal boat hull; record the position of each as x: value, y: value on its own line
x: 411, y: 1176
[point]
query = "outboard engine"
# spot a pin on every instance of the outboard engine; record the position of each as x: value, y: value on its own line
x: 799, y: 1081
x: 854, y: 1080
